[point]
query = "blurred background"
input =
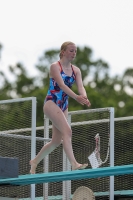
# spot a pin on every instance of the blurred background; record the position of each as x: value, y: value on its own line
x: 31, y: 33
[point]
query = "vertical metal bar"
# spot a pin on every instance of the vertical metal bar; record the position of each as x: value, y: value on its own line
x: 111, y: 152
x: 68, y: 183
x: 33, y: 140
x: 46, y: 159
x: 66, y: 167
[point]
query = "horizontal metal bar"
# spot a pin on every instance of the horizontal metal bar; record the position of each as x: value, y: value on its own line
x: 25, y: 137
x: 89, y: 111
x: 72, y: 124
x: 119, y: 192
x: 59, y: 197
x: 21, y: 130
x: 16, y: 100
x: 123, y: 118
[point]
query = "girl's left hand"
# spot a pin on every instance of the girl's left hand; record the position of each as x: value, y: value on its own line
x: 83, y: 100
x: 87, y: 101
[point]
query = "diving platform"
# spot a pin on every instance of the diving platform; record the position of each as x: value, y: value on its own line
x: 67, y: 175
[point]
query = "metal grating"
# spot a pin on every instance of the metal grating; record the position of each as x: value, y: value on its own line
x: 123, y: 151
x: 17, y: 143
x: 84, y: 144
x: 13, y: 117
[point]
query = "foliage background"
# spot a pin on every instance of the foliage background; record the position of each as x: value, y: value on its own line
x: 102, y: 89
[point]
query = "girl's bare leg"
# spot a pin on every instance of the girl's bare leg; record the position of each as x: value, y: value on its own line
x: 47, y: 149
x: 61, y: 130
x: 60, y: 122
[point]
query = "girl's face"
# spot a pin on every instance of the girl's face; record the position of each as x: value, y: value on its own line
x: 70, y: 52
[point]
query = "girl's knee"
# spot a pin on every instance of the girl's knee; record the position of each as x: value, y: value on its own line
x: 56, y: 143
x: 68, y: 134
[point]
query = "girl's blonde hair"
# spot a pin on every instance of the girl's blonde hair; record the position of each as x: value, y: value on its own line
x: 64, y: 47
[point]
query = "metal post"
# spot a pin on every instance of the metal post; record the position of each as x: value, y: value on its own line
x: 68, y: 183
x: 66, y: 167
x: 33, y: 141
x: 46, y: 159
x: 111, y: 152
x: 64, y: 182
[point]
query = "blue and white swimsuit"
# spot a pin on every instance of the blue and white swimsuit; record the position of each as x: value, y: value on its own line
x: 58, y: 96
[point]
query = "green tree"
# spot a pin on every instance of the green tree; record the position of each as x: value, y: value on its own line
x: 102, y: 90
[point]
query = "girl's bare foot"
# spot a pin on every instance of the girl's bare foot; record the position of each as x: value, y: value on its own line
x: 33, y: 166
x: 80, y: 166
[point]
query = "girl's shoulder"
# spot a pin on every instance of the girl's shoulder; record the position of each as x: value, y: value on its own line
x: 54, y: 68
x: 55, y: 64
x: 76, y: 69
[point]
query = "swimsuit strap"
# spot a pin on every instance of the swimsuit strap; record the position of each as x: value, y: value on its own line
x: 62, y: 69
x: 73, y: 71
x: 60, y: 66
